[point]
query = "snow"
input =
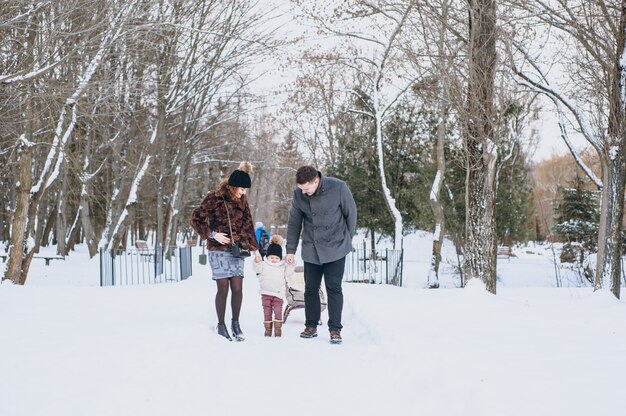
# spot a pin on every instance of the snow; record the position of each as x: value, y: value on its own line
x: 437, y: 233
x: 68, y: 347
x: 434, y: 190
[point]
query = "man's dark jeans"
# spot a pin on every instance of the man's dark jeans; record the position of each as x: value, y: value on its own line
x: 333, y: 274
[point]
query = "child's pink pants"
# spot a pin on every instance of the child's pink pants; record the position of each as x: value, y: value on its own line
x: 272, y: 304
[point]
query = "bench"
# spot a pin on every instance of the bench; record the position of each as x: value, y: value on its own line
x: 143, y: 248
x: 49, y: 258
x: 505, y: 252
x: 38, y: 256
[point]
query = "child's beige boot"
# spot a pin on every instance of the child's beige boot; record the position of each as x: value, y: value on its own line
x: 278, y: 328
x: 268, y: 328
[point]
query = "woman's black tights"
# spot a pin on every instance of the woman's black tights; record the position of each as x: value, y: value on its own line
x: 236, y: 284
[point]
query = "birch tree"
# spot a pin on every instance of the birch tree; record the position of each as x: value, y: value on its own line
x: 105, y: 105
x: 203, y: 51
x: 440, y: 53
x: 379, y: 62
x: 40, y: 35
x: 218, y: 61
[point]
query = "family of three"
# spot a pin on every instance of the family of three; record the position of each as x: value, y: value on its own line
x: 322, y: 214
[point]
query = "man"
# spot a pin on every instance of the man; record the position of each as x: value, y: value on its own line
x: 324, y: 212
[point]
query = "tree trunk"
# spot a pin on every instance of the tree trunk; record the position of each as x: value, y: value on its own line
x: 61, y: 220
x: 20, y: 218
x: 170, y: 227
x: 179, y: 192
x: 608, y: 270
x: 480, y: 147
x: 389, y: 199
x: 45, y: 228
x: 85, y: 220
x: 435, y: 203
x: 118, y: 216
x: 164, y: 86
x: 609, y: 260
x: 5, y: 229
x: 84, y: 210
x: 73, y: 237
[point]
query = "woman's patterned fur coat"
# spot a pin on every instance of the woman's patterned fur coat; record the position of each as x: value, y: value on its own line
x: 211, y: 216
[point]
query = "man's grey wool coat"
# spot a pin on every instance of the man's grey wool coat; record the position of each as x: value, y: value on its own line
x: 326, y: 220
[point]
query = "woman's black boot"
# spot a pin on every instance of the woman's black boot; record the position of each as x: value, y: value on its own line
x: 237, y: 333
x: 223, y: 331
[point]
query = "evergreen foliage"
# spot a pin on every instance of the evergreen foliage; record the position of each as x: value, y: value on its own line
x: 357, y: 165
x: 409, y: 164
x: 410, y: 134
x: 576, y: 221
x: 514, y: 201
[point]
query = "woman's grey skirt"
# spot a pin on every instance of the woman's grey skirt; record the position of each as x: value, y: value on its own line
x: 224, y: 264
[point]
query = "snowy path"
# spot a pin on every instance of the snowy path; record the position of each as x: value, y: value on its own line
x: 152, y: 350
x: 70, y: 349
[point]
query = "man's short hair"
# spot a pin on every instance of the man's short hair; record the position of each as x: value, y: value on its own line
x: 306, y: 174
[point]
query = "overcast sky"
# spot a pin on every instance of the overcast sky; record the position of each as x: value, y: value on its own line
x: 275, y: 78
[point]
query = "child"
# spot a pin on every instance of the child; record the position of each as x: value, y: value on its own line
x: 273, y: 272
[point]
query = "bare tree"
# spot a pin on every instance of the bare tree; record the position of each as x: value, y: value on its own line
x: 312, y: 108
x: 377, y: 60
x: 217, y: 41
x: 441, y: 54
x: 481, y: 145
x: 595, y: 102
x: 40, y: 36
x: 105, y: 105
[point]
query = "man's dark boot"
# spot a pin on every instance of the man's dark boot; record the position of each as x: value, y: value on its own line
x: 335, y: 336
x: 309, y: 332
x: 237, y: 332
x: 221, y: 330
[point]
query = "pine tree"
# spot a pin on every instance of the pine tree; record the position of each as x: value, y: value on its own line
x: 576, y: 221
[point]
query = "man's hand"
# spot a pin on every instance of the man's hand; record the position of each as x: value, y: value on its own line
x: 221, y: 238
x: 290, y: 259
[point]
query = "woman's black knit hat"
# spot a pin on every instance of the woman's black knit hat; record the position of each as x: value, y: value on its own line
x: 241, y: 177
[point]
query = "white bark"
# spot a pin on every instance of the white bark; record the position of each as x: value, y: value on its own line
x: 112, y: 230
x: 62, y: 132
x: 389, y: 199
x: 379, y: 62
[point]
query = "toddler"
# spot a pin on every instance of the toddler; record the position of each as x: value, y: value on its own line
x: 273, y: 272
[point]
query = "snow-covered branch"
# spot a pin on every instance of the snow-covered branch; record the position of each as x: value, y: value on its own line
x: 61, y: 138
x: 25, y: 76
x: 559, y: 99
x: 363, y: 113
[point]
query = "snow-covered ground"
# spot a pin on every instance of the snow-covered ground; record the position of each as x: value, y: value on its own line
x: 68, y: 347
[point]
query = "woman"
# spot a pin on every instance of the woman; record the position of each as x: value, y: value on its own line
x: 221, y: 211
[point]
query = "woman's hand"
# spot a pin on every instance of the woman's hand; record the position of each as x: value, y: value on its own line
x: 221, y: 238
x: 257, y: 257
